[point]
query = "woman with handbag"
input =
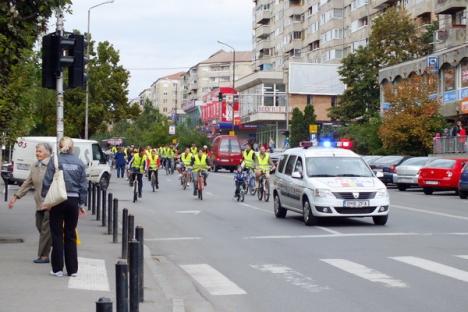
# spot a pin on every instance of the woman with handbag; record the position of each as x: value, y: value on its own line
x: 65, y: 174
x: 34, y: 180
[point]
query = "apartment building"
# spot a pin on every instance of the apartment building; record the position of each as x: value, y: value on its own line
x: 449, y: 62
x: 214, y: 72
x: 167, y: 94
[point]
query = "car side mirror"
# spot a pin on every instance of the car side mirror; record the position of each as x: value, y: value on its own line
x: 379, y: 174
x: 296, y: 175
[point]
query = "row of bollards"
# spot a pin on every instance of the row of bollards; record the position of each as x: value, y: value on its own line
x: 129, y: 271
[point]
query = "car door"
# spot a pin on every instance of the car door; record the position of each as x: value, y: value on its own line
x: 288, y: 188
x: 297, y: 184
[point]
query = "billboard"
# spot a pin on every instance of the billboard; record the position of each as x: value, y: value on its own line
x: 312, y: 78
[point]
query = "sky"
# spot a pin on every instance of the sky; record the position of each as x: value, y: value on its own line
x: 164, y: 34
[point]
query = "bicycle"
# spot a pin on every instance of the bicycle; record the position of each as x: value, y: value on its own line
x: 200, y: 183
x: 134, y: 181
x: 263, y: 191
x: 241, y: 190
x: 186, y: 178
x: 251, y: 182
x: 153, y: 180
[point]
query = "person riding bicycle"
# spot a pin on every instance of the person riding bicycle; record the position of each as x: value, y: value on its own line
x: 137, y: 168
x: 200, y: 163
x: 248, y: 156
x: 263, y: 165
x: 185, y: 161
x: 170, y: 155
x: 153, y: 165
x: 239, y: 179
x: 194, y: 149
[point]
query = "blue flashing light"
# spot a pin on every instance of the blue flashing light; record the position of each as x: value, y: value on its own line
x: 327, y: 144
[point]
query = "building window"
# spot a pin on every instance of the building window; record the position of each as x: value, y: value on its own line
x: 464, y: 74
x: 356, y: 4
x: 449, y: 78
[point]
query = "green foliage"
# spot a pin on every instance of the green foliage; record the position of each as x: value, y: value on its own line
x: 365, y: 136
x: 309, y: 116
x: 299, y: 130
x: 187, y: 135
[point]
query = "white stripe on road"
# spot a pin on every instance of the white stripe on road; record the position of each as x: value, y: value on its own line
x: 463, y: 256
x: 92, y: 275
x: 212, y: 280
x: 328, y: 230
x: 256, y: 208
x: 434, y: 213
x: 365, y: 272
x: 292, y: 277
x: 195, y: 212
x: 172, y: 239
x: 336, y: 235
x: 434, y: 267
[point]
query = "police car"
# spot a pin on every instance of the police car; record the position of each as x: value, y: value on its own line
x: 322, y: 182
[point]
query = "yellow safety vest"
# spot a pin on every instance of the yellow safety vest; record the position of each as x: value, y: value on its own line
x: 153, y: 162
x: 194, y: 150
x: 148, y: 153
x: 200, y: 164
x: 114, y: 149
x: 263, y: 163
x: 170, y: 153
x: 248, y: 159
x: 186, y: 159
x: 139, y: 162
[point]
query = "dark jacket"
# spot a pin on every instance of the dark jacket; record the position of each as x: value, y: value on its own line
x: 74, y: 174
x: 120, y: 159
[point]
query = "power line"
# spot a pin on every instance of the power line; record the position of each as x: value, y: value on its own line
x: 158, y: 68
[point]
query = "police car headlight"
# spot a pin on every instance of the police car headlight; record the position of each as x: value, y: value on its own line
x: 383, y: 193
x: 323, y: 193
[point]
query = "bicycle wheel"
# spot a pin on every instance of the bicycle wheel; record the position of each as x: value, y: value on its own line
x: 135, y: 190
x: 266, y: 190
x: 242, y: 192
x: 153, y: 181
x: 260, y: 189
x: 252, y: 187
x: 184, y: 181
x: 200, y: 187
x: 167, y: 168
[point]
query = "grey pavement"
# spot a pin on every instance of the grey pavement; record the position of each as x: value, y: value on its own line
x: 28, y: 287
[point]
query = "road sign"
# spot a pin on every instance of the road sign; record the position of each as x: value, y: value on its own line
x: 313, y: 128
x: 433, y: 63
x: 171, y: 130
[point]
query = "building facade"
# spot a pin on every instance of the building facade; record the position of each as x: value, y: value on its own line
x: 167, y: 94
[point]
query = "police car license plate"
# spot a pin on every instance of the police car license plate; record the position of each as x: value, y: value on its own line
x: 356, y: 203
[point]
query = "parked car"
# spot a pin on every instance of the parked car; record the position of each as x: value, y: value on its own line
x: 407, y: 172
x: 226, y: 152
x: 463, y: 183
x: 324, y: 183
x: 7, y: 173
x: 441, y: 175
x: 370, y: 159
x: 387, y: 165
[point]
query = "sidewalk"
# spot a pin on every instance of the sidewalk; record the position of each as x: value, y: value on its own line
x: 28, y: 287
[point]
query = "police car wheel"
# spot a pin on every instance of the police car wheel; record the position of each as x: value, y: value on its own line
x: 280, y: 212
x: 309, y: 218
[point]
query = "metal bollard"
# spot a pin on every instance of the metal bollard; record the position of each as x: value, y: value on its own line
x: 115, y: 221
x: 131, y: 227
x: 121, y: 285
x: 90, y: 186
x: 109, y: 213
x: 125, y: 233
x: 133, y: 247
x: 141, y: 257
x: 98, y: 202
x: 104, y: 305
x: 93, y: 198
x: 104, y: 208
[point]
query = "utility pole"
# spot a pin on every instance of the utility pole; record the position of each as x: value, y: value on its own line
x: 59, y: 84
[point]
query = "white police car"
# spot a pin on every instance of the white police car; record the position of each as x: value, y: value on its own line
x: 328, y: 182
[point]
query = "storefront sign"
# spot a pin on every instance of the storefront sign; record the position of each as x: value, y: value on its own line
x: 450, y: 96
x: 271, y: 109
x: 464, y: 106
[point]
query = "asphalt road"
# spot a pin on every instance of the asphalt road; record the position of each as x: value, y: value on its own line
x: 239, y: 257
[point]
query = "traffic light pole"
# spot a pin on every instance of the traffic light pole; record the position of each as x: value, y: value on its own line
x: 59, y: 85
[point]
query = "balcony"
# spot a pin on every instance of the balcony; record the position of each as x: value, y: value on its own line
x: 264, y: 44
x: 311, y: 37
x: 295, y: 26
x: 263, y: 16
x: 450, y: 37
x: 449, y: 6
x: 263, y: 31
x: 295, y: 10
x: 382, y: 4
x: 293, y: 45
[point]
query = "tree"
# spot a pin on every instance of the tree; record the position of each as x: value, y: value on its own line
x: 299, y: 130
x: 409, y: 125
x: 309, y: 116
x: 365, y: 136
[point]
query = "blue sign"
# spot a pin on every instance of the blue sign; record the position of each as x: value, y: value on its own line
x: 450, y: 96
x: 464, y: 93
x: 386, y: 106
x: 433, y: 63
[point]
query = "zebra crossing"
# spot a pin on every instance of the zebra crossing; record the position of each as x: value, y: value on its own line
x: 218, y: 284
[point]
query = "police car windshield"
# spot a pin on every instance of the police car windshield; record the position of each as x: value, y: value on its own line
x: 337, y: 167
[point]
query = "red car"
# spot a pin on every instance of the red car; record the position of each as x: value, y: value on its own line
x: 441, y: 175
x: 226, y: 152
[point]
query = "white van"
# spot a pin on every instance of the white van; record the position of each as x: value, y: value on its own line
x: 328, y: 182
x: 89, y: 151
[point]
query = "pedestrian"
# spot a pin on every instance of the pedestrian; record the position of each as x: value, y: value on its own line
x: 34, y: 180
x: 120, y: 162
x: 271, y: 145
x: 64, y: 217
x: 461, y: 137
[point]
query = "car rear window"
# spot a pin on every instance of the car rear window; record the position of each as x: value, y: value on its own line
x: 416, y: 161
x: 442, y: 163
x: 224, y: 146
x: 388, y: 160
x: 235, y: 146
x: 282, y: 162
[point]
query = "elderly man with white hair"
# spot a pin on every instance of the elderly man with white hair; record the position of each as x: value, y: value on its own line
x: 34, y: 180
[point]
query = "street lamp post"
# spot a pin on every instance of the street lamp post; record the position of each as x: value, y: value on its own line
x: 233, y: 75
x: 88, y: 39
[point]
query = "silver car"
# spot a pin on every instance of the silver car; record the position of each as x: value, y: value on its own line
x: 407, y: 173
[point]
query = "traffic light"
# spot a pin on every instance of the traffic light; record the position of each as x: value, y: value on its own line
x: 59, y: 52
x: 220, y: 97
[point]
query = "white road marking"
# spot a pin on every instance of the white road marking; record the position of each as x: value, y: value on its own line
x: 333, y: 235
x: 292, y: 277
x: 92, y: 275
x: 172, y: 239
x: 463, y: 256
x: 212, y: 280
x: 434, y: 267
x: 328, y: 230
x: 195, y: 212
x: 256, y: 208
x: 365, y: 272
x: 435, y: 213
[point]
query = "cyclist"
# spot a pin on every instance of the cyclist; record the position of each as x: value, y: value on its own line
x: 137, y: 167
x: 248, y: 156
x: 200, y: 163
x: 153, y: 165
x: 194, y: 149
x: 239, y: 179
x: 170, y: 154
x: 263, y: 164
x: 185, y: 160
